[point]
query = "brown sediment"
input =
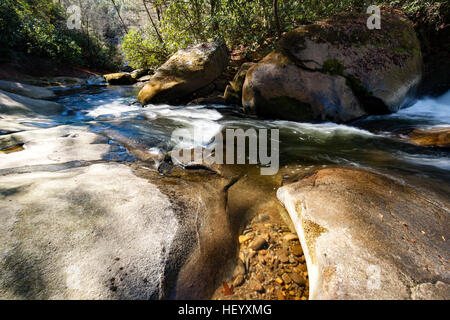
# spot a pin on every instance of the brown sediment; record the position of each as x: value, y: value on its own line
x: 250, y: 211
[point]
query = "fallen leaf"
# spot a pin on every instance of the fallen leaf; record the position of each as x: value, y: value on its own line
x: 227, y: 291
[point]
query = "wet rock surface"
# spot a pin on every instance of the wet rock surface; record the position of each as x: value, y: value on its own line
x: 430, y: 137
x: 276, y: 271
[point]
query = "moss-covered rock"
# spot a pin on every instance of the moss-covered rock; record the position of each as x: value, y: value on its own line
x: 277, y: 88
x: 185, y: 72
x: 119, y: 78
x: 387, y: 62
x: 363, y: 71
x: 139, y: 73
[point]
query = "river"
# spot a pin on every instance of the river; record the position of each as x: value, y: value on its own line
x: 374, y: 142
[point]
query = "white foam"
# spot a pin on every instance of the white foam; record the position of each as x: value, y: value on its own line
x: 434, y: 110
x: 323, y: 130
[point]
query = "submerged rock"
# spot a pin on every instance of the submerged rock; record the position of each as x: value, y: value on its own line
x: 120, y: 78
x: 337, y: 69
x: 431, y: 137
x: 26, y: 90
x: 185, y: 72
x: 366, y: 236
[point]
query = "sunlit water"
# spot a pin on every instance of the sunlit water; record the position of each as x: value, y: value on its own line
x: 372, y: 142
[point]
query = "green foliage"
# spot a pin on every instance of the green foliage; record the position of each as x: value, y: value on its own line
x: 143, y: 51
x: 38, y: 28
x: 247, y: 23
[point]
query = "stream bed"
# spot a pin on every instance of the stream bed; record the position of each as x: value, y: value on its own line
x: 237, y: 196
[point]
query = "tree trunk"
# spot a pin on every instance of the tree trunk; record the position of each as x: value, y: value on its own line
x: 213, y: 4
x: 153, y: 23
x: 120, y: 17
x: 275, y: 15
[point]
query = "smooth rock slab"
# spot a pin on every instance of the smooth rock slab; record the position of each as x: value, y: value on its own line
x: 13, y: 104
x: 97, y: 232
x: 366, y: 236
x: 26, y: 90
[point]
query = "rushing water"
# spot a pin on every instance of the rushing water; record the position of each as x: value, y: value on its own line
x: 374, y: 142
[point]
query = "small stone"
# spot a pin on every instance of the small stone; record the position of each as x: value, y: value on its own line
x: 276, y: 263
x: 240, y: 268
x: 290, y: 237
x: 298, y: 279
x: 297, y: 250
x: 261, y: 260
x: 258, y: 244
x: 282, y: 256
x: 286, y: 278
x: 260, y: 277
x: 302, y: 268
x: 239, y: 280
x: 280, y: 295
x: 256, y: 286
x: 243, y: 239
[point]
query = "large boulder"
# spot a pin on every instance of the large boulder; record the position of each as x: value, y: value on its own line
x: 277, y: 88
x: 377, y: 68
x: 26, y: 90
x: 185, y: 72
x: 367, y: 236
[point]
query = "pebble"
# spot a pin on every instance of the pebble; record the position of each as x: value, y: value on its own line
x: 290, y: 237
x: 256, y: 286
x: 258, y: 244
x: 282, y: 256
x: 238, y: 281
x: 297, y: 250
x: 260, y: 277
x: 298, y: 279
x: 286, y: 278
x: 240, y: 268
x: 243, y: 239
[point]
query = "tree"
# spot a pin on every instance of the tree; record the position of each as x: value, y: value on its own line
x: 275, y: 16
x: 125, y: 28
x: 152, y: 22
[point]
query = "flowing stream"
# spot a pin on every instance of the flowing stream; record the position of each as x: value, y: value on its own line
x: 375, y: 142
